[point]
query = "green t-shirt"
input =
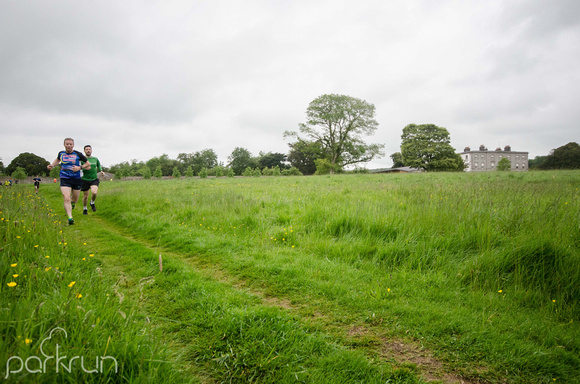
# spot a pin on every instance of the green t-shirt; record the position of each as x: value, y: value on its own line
x: 91, y: 174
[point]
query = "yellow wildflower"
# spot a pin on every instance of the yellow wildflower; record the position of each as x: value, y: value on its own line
x: 79, y: 295
x: 11, y: 284
x: 15, y: 276
x: 28, y: 341
x: 71, y: 284
x: 13, y: 265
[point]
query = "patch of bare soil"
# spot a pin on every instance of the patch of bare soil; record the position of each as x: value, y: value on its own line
x: 430, y: 368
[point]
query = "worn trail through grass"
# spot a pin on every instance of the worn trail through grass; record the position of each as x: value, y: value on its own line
x: 137, y: 277
x: 348, y: 279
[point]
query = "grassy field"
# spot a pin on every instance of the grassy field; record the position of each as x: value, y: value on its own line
x: 335, y: 279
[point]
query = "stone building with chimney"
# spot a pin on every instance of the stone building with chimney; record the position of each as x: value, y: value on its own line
x: 483, y: 160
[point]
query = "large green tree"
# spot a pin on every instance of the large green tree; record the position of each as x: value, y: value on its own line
x: 397, y: 160
x: 32, y: 164
x: 428, y: 147
x: 272, y: 160
x: 338, y: 123
x: 164, y: 162
x: 303, y: 155
x: 206, y: 158
x: 564, y: 157
x: 240, y: 159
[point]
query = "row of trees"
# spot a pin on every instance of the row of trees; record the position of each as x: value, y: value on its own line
x: 331, y: 139
x: 205, y: 162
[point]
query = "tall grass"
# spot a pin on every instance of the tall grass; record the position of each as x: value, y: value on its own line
x: 55, y: 302
x: 483, y: 269
x: 493, y: 231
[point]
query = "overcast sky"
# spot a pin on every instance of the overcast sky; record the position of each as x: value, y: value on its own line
x: 138, y: 79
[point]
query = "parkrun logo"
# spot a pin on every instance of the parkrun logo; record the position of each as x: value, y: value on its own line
x: 35, y: 364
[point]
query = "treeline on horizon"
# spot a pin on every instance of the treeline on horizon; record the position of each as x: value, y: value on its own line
x: 242, y: 162
x: 331, y: 140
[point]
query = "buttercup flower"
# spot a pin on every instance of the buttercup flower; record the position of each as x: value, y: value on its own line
x: 11, y: 284
x: 71, y: 284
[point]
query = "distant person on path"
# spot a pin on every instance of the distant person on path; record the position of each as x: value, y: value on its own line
x: 36, y: 183
x: 90, y: 180
x: 70, y: 175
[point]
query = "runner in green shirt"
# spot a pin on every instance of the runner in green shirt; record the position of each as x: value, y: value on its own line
x: 90, y: 180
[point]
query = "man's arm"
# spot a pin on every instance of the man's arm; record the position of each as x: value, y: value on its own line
x: 53, y: 164
x: 84, y: 160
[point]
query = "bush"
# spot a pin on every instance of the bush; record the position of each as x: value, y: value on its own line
x: 324, y: 167
x: 292, y: 172
x: 158, y: 173
x: 19, y: 174
x: 267, y: 171
x: 145, y: 172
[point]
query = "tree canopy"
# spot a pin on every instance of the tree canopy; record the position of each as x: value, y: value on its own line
x: 428, y: 147
x: 272, y: 160
x: 564, y: 157
x: 397, y: 160
x: 504, y: 164
x: 240, y: 159
x: 303, y: 155
x: 206, y: 158
x: 338, y: 123
x: 31, y: 163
